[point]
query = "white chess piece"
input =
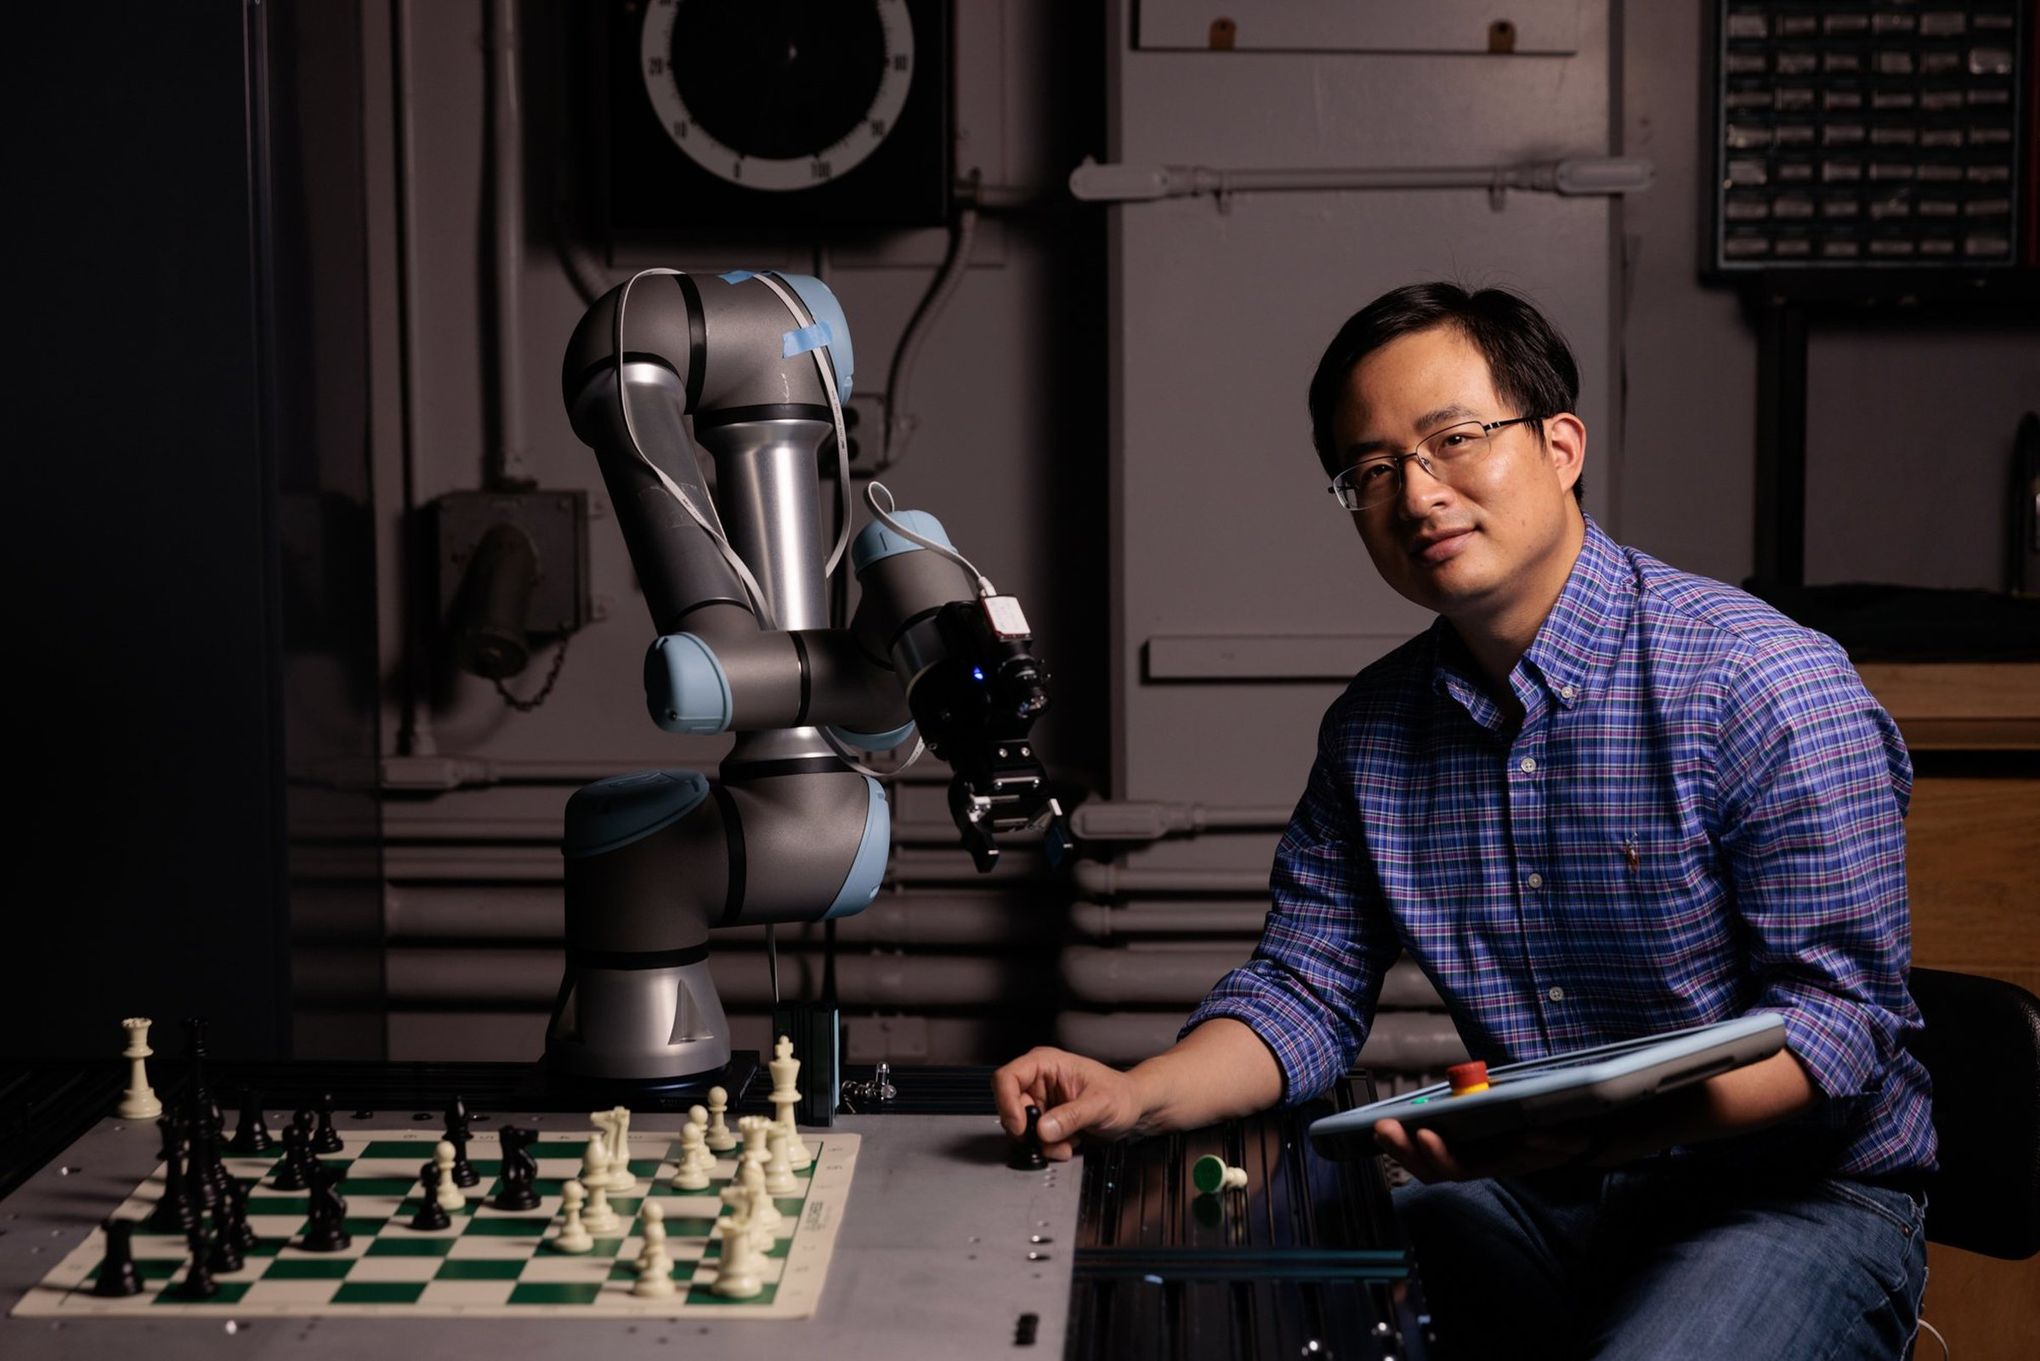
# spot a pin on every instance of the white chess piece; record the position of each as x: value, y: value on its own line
x: 615, y: 1122
x: 756, y: 1129
x: 688, y: 1173
x: 698, y: 1118
x: 139, y: 1101
x: 720, y: 1139
x: 598, y: 1217
x: 736, y: 1273
x: 765, y: 1216
x: 779, y: 1178
x: 573, y: 1235
x: 655, y: 1268
x: 444, y: 1192
x: 785, y: 1070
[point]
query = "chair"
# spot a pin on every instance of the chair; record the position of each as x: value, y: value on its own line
x: 1981, y: 1046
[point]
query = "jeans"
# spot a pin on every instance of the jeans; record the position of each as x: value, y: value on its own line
x: 1658, y: 1262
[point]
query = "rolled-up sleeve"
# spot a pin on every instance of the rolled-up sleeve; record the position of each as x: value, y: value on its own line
x: 1310, y: 988
x: 1814, y: 782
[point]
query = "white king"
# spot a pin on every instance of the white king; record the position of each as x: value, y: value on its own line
x: 139, y: 1101
x: 785, y: 1070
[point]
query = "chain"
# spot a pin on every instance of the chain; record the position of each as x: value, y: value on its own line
x: 525, y: 706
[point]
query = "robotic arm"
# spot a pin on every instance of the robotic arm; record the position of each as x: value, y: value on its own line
x: 793, y: 830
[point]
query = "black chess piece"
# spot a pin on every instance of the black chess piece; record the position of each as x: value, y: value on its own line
x: 177, y: 1210
x: 430, y: 1214
x: 251, y: 1134
x: 236, y: 1207
x: 327, y: 1229
x: 205, y: 1173
x: 290, y: 1169
x: 117, y: 1274
x: 458, y: 1134
x: 198, y: 1282
x: 226, y: 1244
x: 519, y: 1168
x: 1026, y: 1156
x: 326, y: 1139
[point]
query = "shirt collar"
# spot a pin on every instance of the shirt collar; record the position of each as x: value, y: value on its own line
x: 1578, y: 641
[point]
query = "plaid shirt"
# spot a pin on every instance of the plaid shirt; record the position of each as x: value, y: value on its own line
x: 1699, y: 817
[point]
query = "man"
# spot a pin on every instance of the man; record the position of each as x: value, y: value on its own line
x: 1598, y: 799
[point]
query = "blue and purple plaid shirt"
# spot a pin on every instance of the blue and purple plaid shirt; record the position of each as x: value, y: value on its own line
x: 1699, y: 817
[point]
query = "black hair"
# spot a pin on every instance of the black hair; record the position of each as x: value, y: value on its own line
x: 1528, y: 360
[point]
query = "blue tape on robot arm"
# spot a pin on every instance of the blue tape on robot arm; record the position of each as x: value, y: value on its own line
x: 805, y: 339
x: 737, y: 276
x: 867, y: 871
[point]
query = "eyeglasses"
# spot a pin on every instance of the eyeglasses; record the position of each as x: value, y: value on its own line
x: 1445, y: 455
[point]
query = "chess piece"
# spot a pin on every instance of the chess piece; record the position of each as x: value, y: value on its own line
x: 1026, y: 1155
x: 615, y: 1126
x: 779, y: 1178
x: 599, y: 1217
x: 226, y: 1244
x: 1210, y: 1175
x: 720, y: 1140
x: 654, y: 1267
x: 198, y: 1282
x: 688, y: 1173
x: 458, y: 1134
x: 327, y: 1229
x: 326, y: 1139
x: 519, y: 1168
x: 198, y: 1095
x: 765, y: 1216
x: 736, y: 1275
x: 573, y: 1235
x: 785, y: 1070
x: 251, y: 1134
x: 447, y: 1196
x: 177, y: 1211
x: 139, y: 1101
x: 117, y: 1275
x: 755, y: 1129
x: 431, y: 1217
x: 290, y: 1170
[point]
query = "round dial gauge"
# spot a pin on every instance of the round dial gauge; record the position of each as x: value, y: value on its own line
x: 777, y: 95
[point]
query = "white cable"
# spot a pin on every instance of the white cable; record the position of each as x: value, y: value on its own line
x: 1937, y: 1337
x: 885, y: 517
x: 711, y: 524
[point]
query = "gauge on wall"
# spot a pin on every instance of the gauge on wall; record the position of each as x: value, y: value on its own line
x: 759, y: 113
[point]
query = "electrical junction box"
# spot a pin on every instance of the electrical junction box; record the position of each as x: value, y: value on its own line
x: 555, y: 522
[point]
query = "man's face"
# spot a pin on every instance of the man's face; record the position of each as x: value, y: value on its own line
x: 1507, y: 534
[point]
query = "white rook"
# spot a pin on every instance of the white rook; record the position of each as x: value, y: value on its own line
x: 139, y: 1101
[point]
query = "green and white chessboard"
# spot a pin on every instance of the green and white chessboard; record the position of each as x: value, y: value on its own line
x: 491, y: 1263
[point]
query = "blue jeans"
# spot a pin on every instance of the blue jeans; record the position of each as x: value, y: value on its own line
x: 1657, y: 1262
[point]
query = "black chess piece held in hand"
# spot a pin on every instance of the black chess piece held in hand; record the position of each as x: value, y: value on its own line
x: 519, y: 1169
x: 1026, y: 1155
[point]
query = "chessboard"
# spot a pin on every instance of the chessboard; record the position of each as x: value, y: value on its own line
x: 489, y: 1263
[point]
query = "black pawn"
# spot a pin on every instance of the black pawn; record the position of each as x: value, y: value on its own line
x: 117, y: 1274
x: 327, y: 1231
x: 430, y: 1215
x: 458, y: 1134
x: 226, y: 1248
x: 1027, y: 1148
x: 327, y: 1139
x: 290, y: 1171
x: 251, y: 1134
x: 176, y: 1212
x: 198, y: 1282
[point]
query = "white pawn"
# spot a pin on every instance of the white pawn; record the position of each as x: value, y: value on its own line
x: 599, y: 1217
x: 697, y: 1118
x: 139, y: 1101
x: 444, y: 1192
x: 654, y: 1267
x: 688, y: 1173
x: 765, y: 1216
x: 779, y: 1178
x: 737, y: 1274
x: 573, y: 1235
x: 719, y: 1137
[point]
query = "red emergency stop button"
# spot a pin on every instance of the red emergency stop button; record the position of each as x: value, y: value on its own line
x: 1467, y: 1078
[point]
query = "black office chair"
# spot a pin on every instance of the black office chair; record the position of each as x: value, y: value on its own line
x: 1982, y: 1048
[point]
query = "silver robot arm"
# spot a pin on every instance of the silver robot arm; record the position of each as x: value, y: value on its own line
x: 735, y: 582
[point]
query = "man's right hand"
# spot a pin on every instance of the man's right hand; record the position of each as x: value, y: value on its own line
x: 1075, y: 1095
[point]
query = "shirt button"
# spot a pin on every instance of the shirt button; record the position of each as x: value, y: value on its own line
x: 1568, y: 692
x: 1537, y: 881
x: 1527, y: 764
x: 1556, y: 994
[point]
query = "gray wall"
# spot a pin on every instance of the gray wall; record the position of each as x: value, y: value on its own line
x: 1113, y: 425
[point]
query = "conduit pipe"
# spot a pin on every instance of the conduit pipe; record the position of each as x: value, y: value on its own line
x: 1111, y: 881
x: 1402, y: 1041
x: 1130, y: 820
